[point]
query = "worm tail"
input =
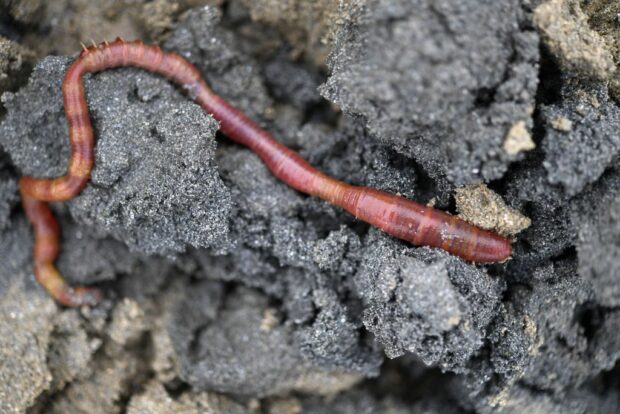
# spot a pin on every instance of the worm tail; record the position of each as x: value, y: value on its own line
x: 46, y: 246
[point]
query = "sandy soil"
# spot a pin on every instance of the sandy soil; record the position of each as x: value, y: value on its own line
x: 228, y: 292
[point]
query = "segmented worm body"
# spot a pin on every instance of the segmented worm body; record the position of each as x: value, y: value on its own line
x: 395, y: 215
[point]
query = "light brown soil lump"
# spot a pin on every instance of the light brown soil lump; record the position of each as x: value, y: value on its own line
x: 484, y: 208
x: 565, y: 30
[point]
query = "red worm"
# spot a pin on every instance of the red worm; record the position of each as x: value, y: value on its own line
x: 395, y: 215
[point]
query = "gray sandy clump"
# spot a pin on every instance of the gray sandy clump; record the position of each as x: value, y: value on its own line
x: 425, y: 301
x: 578, y: 156
x: 238, y: 345
x: 158, y: 191
x: 155, y: 185
x: 598, y: 233
x: 538, y: 342
x: 444, y: 83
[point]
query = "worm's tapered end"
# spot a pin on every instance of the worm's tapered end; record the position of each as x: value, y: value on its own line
x: 49, y: 277
x: 80, y: 296
x: 492, y: 248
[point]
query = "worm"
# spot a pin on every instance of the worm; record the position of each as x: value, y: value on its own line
x: 46, y: 246
x: 393, y: 214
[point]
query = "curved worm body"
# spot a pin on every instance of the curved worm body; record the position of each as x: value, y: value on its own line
x: 46, y: 245
x: 395, y: 215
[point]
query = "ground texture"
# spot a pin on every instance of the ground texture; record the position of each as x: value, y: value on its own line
x: 228, y: 292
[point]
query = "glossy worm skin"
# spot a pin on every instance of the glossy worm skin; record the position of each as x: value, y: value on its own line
x: 395, y: 215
